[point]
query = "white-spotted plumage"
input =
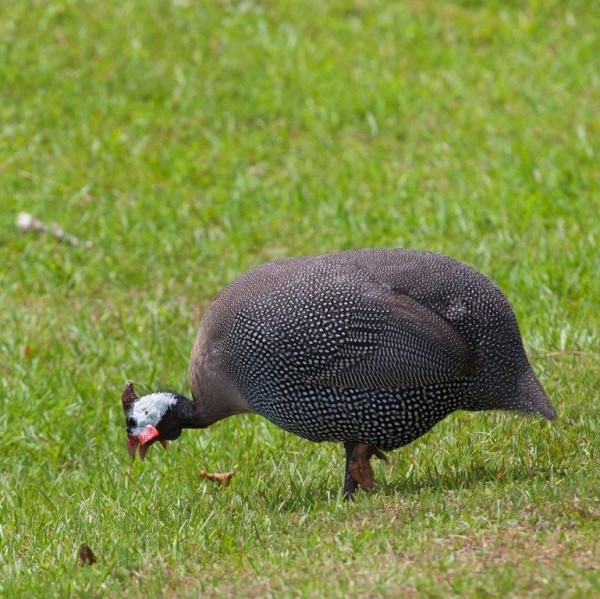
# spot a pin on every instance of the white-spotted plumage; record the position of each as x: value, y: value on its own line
x: 374, y: 346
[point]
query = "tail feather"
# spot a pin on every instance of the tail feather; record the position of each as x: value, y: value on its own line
x: 534, y: 396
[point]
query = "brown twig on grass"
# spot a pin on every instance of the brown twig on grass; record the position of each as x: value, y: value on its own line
x: 26, y: 223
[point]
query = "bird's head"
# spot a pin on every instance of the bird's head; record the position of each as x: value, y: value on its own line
x: 150, y: 418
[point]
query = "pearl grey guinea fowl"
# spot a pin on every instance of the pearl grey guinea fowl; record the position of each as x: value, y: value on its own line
x: 367, y: 347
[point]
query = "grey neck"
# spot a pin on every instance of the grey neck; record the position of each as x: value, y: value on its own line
x: 201, y: 414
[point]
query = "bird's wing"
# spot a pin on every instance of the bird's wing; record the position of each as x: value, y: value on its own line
x: 354, y: 335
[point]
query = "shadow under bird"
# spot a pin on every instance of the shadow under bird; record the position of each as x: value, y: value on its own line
x: 370, y: 348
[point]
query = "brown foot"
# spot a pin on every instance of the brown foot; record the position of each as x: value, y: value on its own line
x: 358, y: 467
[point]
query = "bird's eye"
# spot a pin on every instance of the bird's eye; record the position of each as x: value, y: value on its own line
x: 131, y: 422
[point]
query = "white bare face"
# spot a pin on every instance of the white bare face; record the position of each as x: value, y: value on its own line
x: 149, y: 409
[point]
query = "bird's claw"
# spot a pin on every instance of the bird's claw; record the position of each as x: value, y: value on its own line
x: 359, y: 472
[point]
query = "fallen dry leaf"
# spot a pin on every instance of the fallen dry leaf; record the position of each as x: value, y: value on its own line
x: 221, y: 478
x: 85, y: 556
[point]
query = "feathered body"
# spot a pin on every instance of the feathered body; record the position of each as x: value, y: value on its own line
x: 374, y: 346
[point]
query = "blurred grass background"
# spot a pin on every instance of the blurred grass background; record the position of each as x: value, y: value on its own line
x: 190, y: 141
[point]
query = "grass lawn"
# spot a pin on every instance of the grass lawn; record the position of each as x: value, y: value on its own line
x: 190, y: 141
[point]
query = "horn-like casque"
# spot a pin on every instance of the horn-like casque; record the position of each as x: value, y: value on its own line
x: 128, y: 397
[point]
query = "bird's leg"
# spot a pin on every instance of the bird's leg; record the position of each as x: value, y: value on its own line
x: 358, y: 466
x: 349, y: 483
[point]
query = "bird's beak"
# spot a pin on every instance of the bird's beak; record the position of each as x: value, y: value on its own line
x: 142, y: 441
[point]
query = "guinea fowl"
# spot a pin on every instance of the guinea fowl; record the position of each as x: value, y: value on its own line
x: 367, y: 347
